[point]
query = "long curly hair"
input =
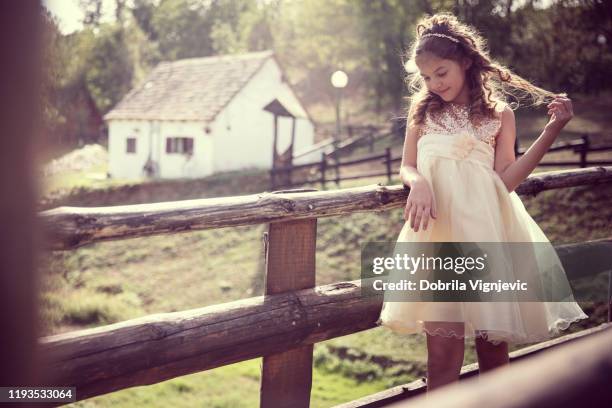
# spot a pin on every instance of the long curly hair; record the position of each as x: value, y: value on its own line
x: 488, y: 80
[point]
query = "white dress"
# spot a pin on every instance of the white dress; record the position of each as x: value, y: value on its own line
x: 456, y: 157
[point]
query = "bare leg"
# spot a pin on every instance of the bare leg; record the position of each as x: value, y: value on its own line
x: 444, y: 354
x: 490, y: 355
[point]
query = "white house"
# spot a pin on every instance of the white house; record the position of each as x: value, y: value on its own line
x: 195, y: 117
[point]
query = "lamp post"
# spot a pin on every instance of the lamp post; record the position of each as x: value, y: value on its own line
x: 601, y: 40
x: 339, y: 79
x: 410, y: 67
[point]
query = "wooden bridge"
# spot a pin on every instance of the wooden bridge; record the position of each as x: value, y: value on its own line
x: 283, y: 325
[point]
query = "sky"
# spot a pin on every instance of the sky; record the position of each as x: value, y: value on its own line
x: 69, y: 14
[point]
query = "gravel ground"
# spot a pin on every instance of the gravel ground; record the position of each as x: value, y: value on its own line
x: 87, y: 157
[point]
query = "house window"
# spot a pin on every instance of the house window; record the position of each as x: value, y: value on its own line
x: 131, y: 145
x: 183, y: 145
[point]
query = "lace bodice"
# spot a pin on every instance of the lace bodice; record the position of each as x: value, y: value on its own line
x: 453, y: 119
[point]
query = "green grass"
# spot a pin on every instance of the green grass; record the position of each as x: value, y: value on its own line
x: 87, y: 180
x: 210, y: 389
x: 201, y: 389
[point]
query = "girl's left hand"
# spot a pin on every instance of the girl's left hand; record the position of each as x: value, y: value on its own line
x: 561, y: 110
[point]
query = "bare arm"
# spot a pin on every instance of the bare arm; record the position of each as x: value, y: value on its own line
x: 513, y: 171
x: 408, y: 169
x: 420, y: 204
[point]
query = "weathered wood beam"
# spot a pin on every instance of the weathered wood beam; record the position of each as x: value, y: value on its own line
x: 159, y: 347
x: 551, y: 180
x: 568, y: 376
x: 286, y: 377
x: 586, y: 258
x: 71, y: 227
x: 407, y: 392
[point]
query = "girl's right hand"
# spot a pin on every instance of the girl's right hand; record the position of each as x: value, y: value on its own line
x: 562, y: 112
x: 420, y: 205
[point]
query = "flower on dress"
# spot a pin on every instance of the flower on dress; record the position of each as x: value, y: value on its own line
x: 463, y: 144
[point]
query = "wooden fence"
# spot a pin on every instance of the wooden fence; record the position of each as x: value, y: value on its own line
x: 317, y: 172
x: 281, y: 326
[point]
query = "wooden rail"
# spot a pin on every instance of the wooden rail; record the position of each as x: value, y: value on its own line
x: 574, y: 371
x: 71, y: 227
x: 283, y: 177
x: 282, y: 326
x: 158, y: 347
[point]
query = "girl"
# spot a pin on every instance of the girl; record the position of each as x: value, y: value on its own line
x: 459, y: 163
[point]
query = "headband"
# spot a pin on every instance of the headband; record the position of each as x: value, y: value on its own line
x: 441, y: 35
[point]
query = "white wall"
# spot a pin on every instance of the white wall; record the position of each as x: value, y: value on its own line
x: 122, y: 164
x: 152, y: 140
x: 244, y: 132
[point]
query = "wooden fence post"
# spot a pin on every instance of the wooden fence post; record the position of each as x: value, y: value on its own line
x: 272, y: 179
x: 584, y: 150
x: 337, y: 180
x: 609, y: 296
x: 286, y: 378
x: 388, y: 163
x: 323, y: 169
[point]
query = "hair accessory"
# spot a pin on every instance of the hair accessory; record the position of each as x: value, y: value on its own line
x: 441, y: 35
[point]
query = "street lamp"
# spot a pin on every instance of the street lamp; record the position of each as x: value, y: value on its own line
x: 410, y: 67
x: 601, y: 40
x: 339, y: 79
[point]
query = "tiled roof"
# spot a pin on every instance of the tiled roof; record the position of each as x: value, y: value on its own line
x: 189, y: 89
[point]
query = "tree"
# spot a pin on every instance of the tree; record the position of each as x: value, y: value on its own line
x: 182, y: 29
x: 142, y: 11
x: 108, y: 82
x: 231, y: 22
x: 387, y: 28
x: 51, y: 72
